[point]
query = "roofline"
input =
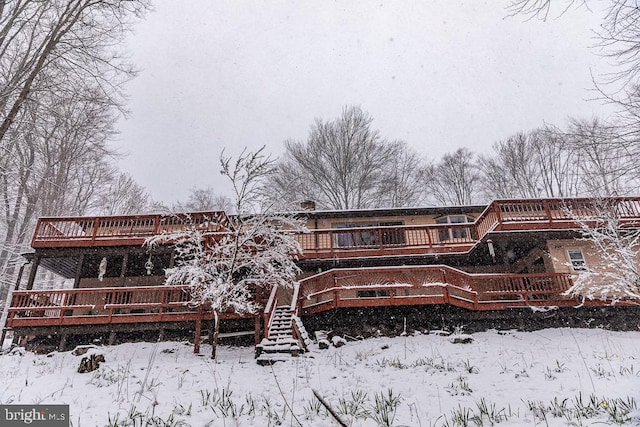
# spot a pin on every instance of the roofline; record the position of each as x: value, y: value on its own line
x: 430, y: 210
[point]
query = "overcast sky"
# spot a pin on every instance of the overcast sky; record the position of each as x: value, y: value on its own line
x: 438, y: 74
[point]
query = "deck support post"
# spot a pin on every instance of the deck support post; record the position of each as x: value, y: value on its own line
x: 32, y: 272
x: 112, y: 337
x: 161, y: 335
x: 76, y: 279
x: 63, y: 342
x: 256, y: 335
x: 196, y: 338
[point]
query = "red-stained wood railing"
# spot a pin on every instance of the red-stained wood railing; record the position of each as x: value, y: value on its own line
x: 500, y: 215
x: 118, y: 230
x: 389, y: 286
x: 269, y: 311
x: 387, y: 240
x: 102, y: 306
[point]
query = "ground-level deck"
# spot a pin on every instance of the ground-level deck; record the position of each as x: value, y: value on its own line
x: 434, y: 285
x: 333, y: 289
x: 85, y: 311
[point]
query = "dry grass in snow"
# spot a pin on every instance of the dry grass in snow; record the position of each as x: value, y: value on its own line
x: 553, y: 377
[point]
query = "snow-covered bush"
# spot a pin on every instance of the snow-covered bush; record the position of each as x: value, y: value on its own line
x: 617, y: 243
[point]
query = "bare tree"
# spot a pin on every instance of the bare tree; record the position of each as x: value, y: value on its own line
x: 606, y: 160
x: 557, y: 163
x: 61, y: 79
x: 68, y: 39
x: 200, y: 199
x: 402, y: 178
x: 590, y: 158
x: 222, y: 273
x: 206, y: 199
x: 455, y: 179
x: 344, y: 164
x: 60, y: 162
x: 539, y: 163
x: 122, y: 196
x: 512, y: 172
x: 618, y: 38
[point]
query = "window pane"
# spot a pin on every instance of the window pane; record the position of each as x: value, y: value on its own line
x: 577, y: 260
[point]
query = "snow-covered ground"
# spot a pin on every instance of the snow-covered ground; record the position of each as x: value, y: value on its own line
x: 549, y: 377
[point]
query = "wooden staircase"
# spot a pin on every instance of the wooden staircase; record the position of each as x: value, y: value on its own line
x: 286, y: 338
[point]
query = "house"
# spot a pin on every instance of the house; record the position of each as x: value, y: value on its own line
x: 506, y: 264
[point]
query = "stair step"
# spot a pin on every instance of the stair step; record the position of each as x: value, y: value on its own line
x: 281, y: 334
x: 270, y: 359
x: 282, y: 344
x: 285, y: 330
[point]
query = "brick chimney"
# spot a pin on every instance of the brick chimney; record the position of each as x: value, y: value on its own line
x: 308, y: 205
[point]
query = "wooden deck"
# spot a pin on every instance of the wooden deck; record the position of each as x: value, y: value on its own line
x: 427, y: 285
x: 123, y: 230
x: 500, y: 215
x: 100, y: 306
x: 339, y: 288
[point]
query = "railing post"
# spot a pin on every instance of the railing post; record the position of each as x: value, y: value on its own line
x: 163, y: 301
x: 96, y: 223
x: 331, y: 244
x: 547, y: 210
x: 36, y: 233
x: 523, y: 289
x: 196, y: 339
x: 496, y: 207
x: 156, y: 225
x: 336, y: 298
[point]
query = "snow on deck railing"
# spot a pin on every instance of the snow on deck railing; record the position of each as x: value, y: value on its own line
x: 334, y: 287
x: 133, y: 229
x: 111, y: 301
x: 269, y: 310
x: 344, y: 242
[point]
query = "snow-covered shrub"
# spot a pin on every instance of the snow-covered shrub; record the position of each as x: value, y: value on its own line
x: 617, y: 242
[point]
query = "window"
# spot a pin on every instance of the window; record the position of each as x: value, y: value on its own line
x: 371, y: 237
x: 577, y: 260
x: 457, y: 233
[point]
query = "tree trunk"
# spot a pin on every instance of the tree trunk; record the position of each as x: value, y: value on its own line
x: 216, y: 331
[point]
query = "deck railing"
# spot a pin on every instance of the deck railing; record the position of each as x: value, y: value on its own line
x: 100, y: 306
x: 339, y: 288
x: 500, y: 215
x: 366, y: 287
x: 118, y: 230
x: 269, y: 311
x: 392, y: 240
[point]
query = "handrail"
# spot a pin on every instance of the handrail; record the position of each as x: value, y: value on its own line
x: 130, y: 228
x: 294, y: 299
x: 61, y: 303
x: 105, y: 305
x: 269, y: 311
